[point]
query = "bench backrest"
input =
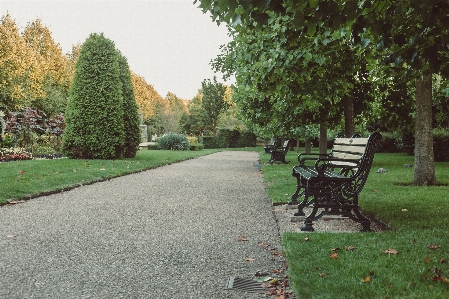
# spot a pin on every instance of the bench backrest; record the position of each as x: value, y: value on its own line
x: 360, y: 149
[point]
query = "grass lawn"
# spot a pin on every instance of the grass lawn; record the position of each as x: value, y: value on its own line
x: 27, y: 179
x: 410, y: 261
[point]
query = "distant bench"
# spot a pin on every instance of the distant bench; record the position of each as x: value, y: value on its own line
x: 279, y: 153
x: 333, y: 182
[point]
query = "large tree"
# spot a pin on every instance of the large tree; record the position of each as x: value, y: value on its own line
x: 215, y: 100
x: 94, y: 114
x: 408, y: 37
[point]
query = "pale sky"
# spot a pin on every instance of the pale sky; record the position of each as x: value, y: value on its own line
x: 168, y: 42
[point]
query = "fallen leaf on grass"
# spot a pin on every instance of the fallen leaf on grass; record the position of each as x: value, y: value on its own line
x: 336, y: 249
x: 443, y: 261
x: 440, y: 278
x: 427, y: 260
x: 323, y: 274
x: 367, y: 279
x: 306, y: 239
x: 74, y: 170
x: 349, y: 248
x: 391, y: 251
x: 433, y: 247
x: 333, y: 255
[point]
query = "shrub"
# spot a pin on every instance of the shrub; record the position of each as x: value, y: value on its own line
x: 247, y: 139
x: 388, y: 144
x: 440, y: 148
x: 130, y: 111
x: 226, y: 138
x: 173, y: 142
x: 196, y: 146
x: 192, y: 139
x: 153, y: 146
x: 94, y: 114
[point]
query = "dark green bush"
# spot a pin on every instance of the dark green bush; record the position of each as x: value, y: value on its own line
x: 247, y: 139
x: 388, y: 144
x: 210, y: 142
x: 441, y: 148
x: 173, y: 142
x: 94, y: 113
x: 130, y: 111
x: 153, y: 146
x: 196, y: 146
x: 230, y: 139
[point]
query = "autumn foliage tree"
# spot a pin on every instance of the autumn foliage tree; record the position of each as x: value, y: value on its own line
x: 34, y: 71
x: 94, y: 114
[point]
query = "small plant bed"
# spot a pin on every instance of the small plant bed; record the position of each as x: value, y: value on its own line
x: 409, y: 261
x: 31, y: 178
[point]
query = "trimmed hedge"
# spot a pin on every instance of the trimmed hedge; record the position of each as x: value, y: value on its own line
x: 230, y: 139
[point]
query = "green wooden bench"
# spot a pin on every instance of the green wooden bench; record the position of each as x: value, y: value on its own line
x: 330, y: 184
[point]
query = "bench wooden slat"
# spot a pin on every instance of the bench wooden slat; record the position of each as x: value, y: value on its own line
x: 349, y: 149
x: 352, y: 141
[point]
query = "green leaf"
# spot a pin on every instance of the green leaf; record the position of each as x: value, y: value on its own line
x: 313, y: 3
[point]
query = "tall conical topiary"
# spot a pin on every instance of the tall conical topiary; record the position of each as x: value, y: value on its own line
x: 130, y: 111
x: 94, y: 113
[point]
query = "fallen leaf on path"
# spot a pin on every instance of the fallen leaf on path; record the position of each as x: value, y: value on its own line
x: 250, y: 259
x: 262, y: 244
x: 277, y: 253
x: 241, y: 238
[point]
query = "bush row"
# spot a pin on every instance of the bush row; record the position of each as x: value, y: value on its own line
x: 406, y: 143
x: 226, y: 138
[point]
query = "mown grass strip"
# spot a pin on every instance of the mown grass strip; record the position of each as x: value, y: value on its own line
x: 27, y: 179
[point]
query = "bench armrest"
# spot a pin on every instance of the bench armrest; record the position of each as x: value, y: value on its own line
x: 304, y: 156
x: 322, y: 164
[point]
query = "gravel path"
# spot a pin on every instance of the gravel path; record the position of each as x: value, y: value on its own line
x: 169, y: 232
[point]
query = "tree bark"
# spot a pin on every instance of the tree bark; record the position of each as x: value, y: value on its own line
x: 424, y: 172
x: 323, y: 139
x: 308, y: 146
x: 348, y: 102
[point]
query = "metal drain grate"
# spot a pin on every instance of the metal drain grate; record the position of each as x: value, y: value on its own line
x: 245, y: 285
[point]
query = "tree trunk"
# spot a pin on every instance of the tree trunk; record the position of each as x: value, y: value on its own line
x: 308, y: 146
x: 348, y: 101
x: 323, y: 139
x: 297, y: 145
x: 424, y: 173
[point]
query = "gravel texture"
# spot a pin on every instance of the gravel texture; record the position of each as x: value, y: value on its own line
x: 169, y: 232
